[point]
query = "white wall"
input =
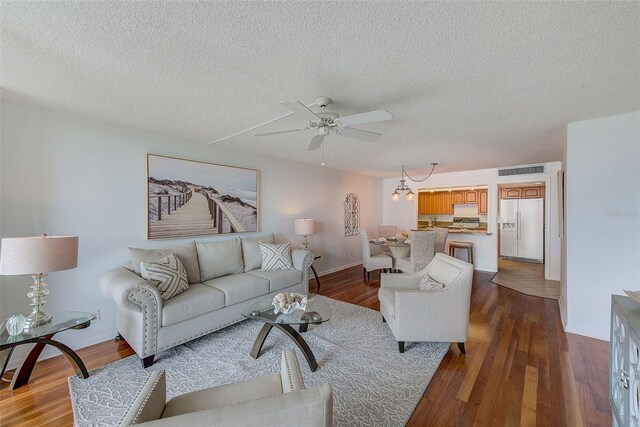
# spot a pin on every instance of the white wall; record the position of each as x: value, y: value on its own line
x: 603, y: 218
x: 65, y: 174
x: 404, y: 213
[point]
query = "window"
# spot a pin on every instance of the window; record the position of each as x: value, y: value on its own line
x: 351, y: 211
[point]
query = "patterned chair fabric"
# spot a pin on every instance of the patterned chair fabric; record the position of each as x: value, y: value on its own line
x: 441, y: 239
x: 372, y: 262
x: 387, y: 230
x: 422, y: 252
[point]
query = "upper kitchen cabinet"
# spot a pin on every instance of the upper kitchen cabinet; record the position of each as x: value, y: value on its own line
x: 483, y: 202
x: 437, y: 203
x: 470, y: 197
x: 522, y: 192
x: 458, y: 196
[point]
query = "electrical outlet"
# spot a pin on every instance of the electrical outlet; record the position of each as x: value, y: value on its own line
x: 97, y: 314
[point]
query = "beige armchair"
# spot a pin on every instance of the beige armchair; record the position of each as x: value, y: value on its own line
x: 271, y: 400
x: 416, y: 315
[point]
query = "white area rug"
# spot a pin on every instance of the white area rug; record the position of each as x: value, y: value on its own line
x: 373, y: 384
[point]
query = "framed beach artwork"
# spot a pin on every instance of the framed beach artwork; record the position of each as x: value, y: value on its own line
x: 193, y: 198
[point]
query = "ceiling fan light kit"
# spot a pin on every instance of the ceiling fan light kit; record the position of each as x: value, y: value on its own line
x: 395, y: 196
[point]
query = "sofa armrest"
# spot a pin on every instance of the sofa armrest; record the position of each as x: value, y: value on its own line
x: 400, y: 281
x: 308, y: 407
x: 302, y: 260
x: 290, y: 373
x: 129, y: 290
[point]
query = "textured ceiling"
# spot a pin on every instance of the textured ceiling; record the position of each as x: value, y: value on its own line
x: 471, y: 85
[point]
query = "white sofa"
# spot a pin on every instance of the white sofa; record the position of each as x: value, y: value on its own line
x: 271, y: 400
x: 224, y: 276
x: 416, y: 315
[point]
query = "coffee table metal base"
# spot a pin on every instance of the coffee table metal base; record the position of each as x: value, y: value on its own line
x: 291, y: 333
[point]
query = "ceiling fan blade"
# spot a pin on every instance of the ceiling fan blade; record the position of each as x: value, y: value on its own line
x: 298, y: 107
x: 316, y: 142
x: 370, y: 117
x: 280, y: 131
x: 363, y: 135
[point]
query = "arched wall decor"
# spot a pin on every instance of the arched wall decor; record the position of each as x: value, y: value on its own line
x: 351, y: 213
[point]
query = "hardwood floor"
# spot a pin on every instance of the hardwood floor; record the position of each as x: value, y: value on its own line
x: 521, y: 368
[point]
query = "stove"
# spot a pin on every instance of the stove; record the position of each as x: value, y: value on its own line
x: 465, y: 222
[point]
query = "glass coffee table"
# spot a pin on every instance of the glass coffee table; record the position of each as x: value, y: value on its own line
x: 316, y: 312
x: 42, y: 336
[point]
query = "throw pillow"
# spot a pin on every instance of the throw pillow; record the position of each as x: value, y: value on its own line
x: 428, y: 284
x: 166, y: 274
x: 276, y: 257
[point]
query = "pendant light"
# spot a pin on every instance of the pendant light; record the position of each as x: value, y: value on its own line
x: 395, y: 196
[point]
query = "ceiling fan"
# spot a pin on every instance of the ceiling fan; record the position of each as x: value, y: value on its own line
x: 325, y: 121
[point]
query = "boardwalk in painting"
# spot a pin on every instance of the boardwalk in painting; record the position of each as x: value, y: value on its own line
x: 191, y: 219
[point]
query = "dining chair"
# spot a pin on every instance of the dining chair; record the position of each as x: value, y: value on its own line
x: 422, y: 252
x: 371, y: 261
x: 387, y: 230
x: 441, y: 239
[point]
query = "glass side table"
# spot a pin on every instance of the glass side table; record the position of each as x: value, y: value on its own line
x: 42, y: 336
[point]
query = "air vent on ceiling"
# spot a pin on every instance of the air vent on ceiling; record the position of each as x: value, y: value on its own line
x: 521, y: 170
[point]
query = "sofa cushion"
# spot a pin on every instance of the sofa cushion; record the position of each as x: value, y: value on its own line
x: 167, y: 275
x: 387, y: 297
x: 239, y: 287
x: 186, y: 254
x: 279, y: 279
x: 251, y: 251
x: 198, y: 300
x: 276, y: 257
x: 219, y: 258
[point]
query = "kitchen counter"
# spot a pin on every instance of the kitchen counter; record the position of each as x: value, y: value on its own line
x: 478, y: 231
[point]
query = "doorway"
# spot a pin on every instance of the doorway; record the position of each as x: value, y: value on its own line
x: 521, y: 239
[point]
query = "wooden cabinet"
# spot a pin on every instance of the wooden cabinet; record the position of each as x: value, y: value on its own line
x: 470, y: 197
x: 458, y: 197
x: 532, y: 192
x: 522, y: 193
x: 437, y: 203
x: 483, y: 202
x: 624, y: 373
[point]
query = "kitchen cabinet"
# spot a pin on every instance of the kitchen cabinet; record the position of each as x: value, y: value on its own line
x: 522, y: 193
x: 483, y: 202
x: 624, y: 366
x: 511, y: 193
x: 470, y: 197
x: 532, y: 192
x: 437, y: 203
x: 458, y: 196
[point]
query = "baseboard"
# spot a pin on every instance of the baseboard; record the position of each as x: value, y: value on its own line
x: 21, y: 351
x: 587, y: 333
x: 562, y: 314
x: 333, y: 270
x: 485, y: 271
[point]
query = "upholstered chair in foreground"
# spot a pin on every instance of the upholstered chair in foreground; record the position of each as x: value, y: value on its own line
x: 372, y: 262
x: 272, y: 400
x: 422, y: 251
x: 429, y: 315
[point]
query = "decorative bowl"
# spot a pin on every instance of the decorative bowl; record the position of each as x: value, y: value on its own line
x: 634, y: 295
x: 289, y: 302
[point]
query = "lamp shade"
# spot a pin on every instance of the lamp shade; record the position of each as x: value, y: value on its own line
x: 305, y: 226
x: 34, y: 255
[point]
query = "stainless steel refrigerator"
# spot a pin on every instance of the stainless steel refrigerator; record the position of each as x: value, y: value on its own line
x: 522, y: 229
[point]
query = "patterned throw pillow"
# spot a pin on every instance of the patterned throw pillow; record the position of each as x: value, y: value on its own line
x: 276, y: 257
x: 428, y: 284
x: 166, y: 274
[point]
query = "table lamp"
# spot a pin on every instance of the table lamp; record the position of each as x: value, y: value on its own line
x: 38, y: 256
x: 305, y: 227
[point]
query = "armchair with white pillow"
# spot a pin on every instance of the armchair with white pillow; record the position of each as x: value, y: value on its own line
x: 436, y: 315
x: 271, y: 400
